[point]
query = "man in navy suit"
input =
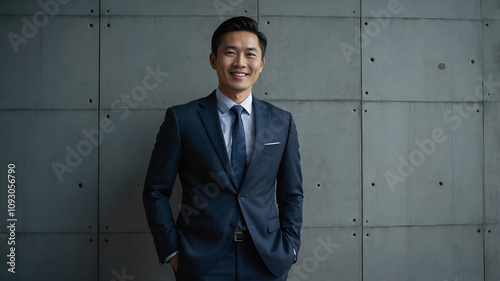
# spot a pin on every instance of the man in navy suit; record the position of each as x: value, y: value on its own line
x: 238, y: 161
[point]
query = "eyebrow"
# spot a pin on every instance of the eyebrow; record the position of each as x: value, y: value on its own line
x: 234, y: 47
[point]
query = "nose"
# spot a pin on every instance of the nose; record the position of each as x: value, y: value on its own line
x: 239, y: 61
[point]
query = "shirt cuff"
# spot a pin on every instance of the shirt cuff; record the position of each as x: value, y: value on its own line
x: 175, y: 253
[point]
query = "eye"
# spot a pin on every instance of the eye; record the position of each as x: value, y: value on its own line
x: 251, y: 55
x: 229, y: 53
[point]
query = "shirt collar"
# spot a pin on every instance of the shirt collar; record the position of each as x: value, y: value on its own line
x: 224, y: 103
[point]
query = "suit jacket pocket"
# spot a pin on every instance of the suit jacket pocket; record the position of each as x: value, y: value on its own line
x: 273, y: 224
x: 272, y: 147
x: 272, y: 151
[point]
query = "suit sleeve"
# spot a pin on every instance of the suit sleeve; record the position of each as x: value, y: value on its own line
x: 160, y: 179
x: 289, y: 189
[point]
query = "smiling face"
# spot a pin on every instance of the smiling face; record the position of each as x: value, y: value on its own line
x: 238, y: 63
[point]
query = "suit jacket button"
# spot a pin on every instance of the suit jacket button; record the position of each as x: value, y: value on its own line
x: 241, y: 196
x: 232, y: 224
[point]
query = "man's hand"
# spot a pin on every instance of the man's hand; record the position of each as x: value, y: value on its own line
x: 174, y: 261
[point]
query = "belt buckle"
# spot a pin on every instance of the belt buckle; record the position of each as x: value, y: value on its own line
x: 236, y: 238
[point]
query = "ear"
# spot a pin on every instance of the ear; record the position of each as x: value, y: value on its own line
x: 262, y: 65
x: 213, y: 61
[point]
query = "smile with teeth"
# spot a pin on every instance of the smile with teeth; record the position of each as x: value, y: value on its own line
x: 238, y: 74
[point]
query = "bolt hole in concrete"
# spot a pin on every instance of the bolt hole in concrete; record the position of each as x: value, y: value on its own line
x: 107, y: 116
x: 91, y: 25
x: 90, y: 240
x: 108, y: 25
x: 80, y: 185
x: 479, y: 230
x: 441, y: 66
x: 366, y: 93
x: 472, y: 61
x: 440, y: 183
x: 268, y: 22
x: 372, y: 59
x: 373, y: 184
x: 90, y: 100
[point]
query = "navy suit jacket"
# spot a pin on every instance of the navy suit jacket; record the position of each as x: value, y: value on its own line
x: 190, y: 143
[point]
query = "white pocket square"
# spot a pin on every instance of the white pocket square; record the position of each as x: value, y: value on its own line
x: 272, y: 143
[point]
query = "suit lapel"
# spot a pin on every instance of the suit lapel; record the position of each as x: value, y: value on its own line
x: 210, y: 118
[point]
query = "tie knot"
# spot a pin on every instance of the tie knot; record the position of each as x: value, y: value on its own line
x: 237, y: 110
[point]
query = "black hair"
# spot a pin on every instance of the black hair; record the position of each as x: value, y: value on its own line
x: 238, y: 24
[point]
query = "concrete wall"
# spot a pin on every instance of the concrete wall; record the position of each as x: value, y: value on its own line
x: 396, y: 102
